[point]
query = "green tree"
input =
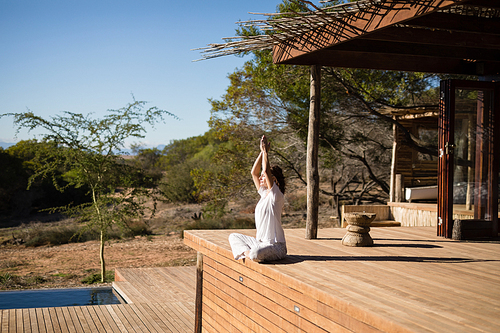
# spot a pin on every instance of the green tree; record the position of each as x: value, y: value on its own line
x: 355, y: 136
x: 21, y: 161
x: 13, y: 178
x: 180, y: 160
x: 148, y: 160
x: 90, y: 150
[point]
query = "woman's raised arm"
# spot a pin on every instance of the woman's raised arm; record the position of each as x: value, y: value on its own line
x: 256, y: 171
x: 264, y: 149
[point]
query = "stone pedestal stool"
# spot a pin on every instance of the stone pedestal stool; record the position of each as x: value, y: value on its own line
x: 358, y: 229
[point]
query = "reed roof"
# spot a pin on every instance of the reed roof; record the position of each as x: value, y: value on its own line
x: 440, y: 36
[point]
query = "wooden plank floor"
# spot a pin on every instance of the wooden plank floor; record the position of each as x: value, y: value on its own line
x: 159, y: 300
x: 410, y: 281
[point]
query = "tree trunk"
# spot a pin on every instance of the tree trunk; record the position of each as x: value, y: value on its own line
x: 101, y: 256
x: 312, y: 154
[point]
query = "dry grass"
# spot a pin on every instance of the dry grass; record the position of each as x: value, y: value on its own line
x: 157, y: 244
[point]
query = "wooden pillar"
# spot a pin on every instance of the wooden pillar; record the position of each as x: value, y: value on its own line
x: 399, y: 188
x: 199, y: 294
x: 393, y: 162
x: 312, y: 154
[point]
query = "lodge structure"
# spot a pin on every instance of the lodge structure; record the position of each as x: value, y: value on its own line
x: 415, y: 278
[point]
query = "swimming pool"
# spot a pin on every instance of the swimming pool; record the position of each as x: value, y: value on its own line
x: 43, y: 298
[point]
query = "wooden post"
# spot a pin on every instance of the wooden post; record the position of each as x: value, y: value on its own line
x: 399, y: 189
x: 312, y: 154
x: 199, y: 294
x: 393, y: 162
x: 470, y: 157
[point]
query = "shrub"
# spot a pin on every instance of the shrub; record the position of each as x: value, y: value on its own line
x: 37, y: 234
x: 96, y: 278
x: 138, y: 228
x: 11, y: 281
x: 7, y: 279
x: 297, y: 202
x: 223, y: 223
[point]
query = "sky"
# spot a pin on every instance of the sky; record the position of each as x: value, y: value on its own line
x: 87, y: 56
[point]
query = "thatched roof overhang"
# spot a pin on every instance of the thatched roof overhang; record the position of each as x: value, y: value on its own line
x: 439, y: 36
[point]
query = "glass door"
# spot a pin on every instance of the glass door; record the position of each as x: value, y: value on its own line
x: 468, y: 156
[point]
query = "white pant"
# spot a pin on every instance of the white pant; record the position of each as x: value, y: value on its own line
x: 259, y: 251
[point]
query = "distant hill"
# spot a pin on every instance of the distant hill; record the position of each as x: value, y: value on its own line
x: 6, y: 145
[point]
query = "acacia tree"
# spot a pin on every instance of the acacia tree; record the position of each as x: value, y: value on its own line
x: 91, y: 152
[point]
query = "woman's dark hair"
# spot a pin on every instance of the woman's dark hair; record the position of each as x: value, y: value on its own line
x: 280, y: 179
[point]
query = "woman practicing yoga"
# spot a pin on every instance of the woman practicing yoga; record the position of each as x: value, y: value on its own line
x: 269, y: 243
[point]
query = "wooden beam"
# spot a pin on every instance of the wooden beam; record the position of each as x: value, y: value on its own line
x: 386, y: 61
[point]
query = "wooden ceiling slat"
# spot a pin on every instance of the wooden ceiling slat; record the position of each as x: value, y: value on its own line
x: 485, y: 3
x: 438, y: 51
x: 458, y: 23
x: 436, y: 37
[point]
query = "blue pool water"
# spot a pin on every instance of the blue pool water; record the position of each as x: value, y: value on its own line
x: 42, y: 298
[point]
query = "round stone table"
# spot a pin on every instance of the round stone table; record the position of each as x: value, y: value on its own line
x: 358, y: 229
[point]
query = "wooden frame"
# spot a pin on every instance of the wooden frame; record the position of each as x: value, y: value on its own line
x: 486, y: 156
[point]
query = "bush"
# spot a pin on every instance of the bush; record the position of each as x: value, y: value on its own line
x: 11, y: 281
x: 96, y: 278
x: 7, y: 279
x: 139, y: 228
x: 297, y: 202
x: 37, y: 234
x: 178, y: 184
x: 223, y: 223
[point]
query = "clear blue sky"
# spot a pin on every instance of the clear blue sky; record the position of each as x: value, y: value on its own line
x: 89, y: 56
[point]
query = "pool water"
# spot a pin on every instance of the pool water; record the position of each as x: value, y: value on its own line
x: 42, y: 298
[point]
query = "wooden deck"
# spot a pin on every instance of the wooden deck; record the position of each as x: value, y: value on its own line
x: 159, y: 300
x: 410, y: 281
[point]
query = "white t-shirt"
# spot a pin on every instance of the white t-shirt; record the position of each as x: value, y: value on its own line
x: 268, y: 215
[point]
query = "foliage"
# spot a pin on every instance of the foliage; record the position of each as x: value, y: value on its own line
x: 19, y: 163
x: 148, y: 160
x: 221, y: 223
x: 180, y: 160
x: 97, y: 278
x: 355, y: 136
x: 12, y: 281
x: 13, y: 178
x: 88, y: 150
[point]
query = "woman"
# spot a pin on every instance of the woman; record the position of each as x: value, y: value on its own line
x: 269, y: 243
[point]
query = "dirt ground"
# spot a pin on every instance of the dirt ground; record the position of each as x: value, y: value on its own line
x: 66, y: 265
